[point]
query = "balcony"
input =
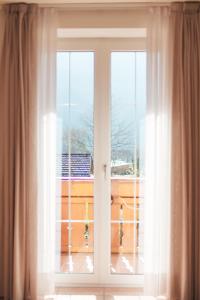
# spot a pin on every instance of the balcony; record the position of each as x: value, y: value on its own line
x: 76, y: 232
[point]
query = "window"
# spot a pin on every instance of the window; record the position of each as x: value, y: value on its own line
x: 75, y: 96
x: 127, y: 161
x: 101, y: 99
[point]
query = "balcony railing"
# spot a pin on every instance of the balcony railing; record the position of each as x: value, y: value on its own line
x: 126, y: 214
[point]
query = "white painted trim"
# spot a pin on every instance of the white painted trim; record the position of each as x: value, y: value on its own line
x: 102, y: 4
x: 96, y: 3
x: 92, y: 44
x: 103, y: 18
x: 100, y: 291
x: 101, y: 32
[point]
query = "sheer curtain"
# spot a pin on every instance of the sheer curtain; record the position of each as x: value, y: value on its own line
x: 46, y: 147
x: 158, y: 155
x: 27, y: 150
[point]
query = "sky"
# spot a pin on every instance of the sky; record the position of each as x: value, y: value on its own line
x: 75, y: 89
x: 75, y: 83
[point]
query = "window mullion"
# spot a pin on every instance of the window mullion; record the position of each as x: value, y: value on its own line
x: 102, y: 124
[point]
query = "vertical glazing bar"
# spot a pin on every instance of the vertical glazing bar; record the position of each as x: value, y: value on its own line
x: 69, y: 171
x: 135, y: 160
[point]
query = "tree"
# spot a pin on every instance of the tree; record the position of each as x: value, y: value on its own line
x: 124, y: 139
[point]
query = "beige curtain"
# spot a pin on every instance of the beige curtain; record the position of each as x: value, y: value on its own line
x: 27, y: 151
x: 18, y: 166
x: 185, y: 209
x: 172, y: 203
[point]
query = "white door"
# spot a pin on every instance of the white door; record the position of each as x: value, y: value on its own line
x: 101, y: 99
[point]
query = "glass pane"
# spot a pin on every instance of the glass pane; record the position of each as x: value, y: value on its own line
x: 128, y: 93
x: 75, y: 197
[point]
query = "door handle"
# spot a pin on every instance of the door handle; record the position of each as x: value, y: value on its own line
x: 105, y: 170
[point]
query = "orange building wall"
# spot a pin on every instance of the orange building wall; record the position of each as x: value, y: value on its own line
x: 124, y: 191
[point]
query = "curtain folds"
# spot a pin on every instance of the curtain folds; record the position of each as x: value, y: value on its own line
x: 18, y: 169
x: 26, y: 99
x: 172, y: 209
x: 185, y: 210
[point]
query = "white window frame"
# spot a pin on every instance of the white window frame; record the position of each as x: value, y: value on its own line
x: 102, y: 48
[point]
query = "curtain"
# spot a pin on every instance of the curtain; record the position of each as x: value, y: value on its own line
x: 27, y: 114
x: 46, y: 147
x: 158, y: 155
x: 18, y: 169
x: 2, y: 28
x: 185, y: 211
x: 172, y: 209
